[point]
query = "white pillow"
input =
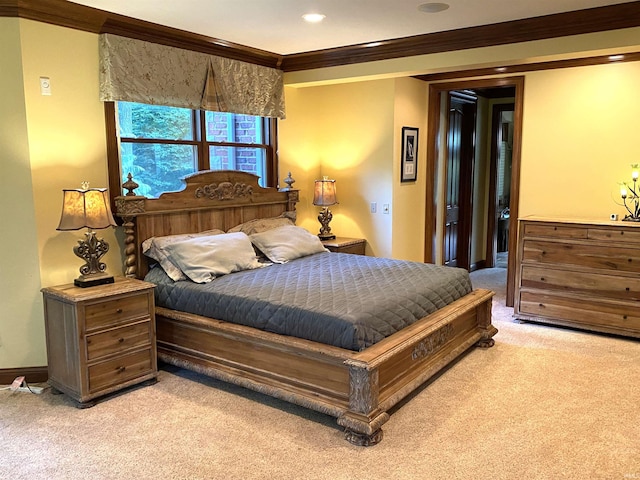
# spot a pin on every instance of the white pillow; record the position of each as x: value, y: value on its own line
x: 204, y: 258
x: 287, y: 243
x: 155, y: 248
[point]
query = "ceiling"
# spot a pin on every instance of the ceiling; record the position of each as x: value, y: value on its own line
x: 277, y: 25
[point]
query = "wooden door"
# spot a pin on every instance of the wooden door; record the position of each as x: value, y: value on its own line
x: 459, y: 180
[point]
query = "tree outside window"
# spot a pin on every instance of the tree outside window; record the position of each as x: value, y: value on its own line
x: 159, y: 145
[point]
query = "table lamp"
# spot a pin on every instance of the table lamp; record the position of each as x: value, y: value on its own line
x: 88, y: 208
x: 324, y: 196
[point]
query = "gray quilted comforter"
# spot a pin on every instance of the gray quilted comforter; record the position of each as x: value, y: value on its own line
x: 348, y: 301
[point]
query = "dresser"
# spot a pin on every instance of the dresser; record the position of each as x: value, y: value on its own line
x: 346, y: 245
x: 100, y: 339
x: 579, y: 274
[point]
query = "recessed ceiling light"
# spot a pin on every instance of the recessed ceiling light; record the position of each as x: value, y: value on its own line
x: 433, y: 7
x: 313, y: 17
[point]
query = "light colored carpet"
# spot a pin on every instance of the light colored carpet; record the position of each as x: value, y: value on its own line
x: 543, y: 403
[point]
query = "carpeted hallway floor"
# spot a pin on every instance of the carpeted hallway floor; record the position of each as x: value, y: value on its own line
x: 543, y: 403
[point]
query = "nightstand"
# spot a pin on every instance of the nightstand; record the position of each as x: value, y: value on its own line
x: 100, y: 339
x: 346, y: 245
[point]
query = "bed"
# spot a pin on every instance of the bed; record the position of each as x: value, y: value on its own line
x: 357, y: 384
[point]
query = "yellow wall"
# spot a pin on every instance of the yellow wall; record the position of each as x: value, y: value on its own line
x: 579, y: 139
x: 21, y: 325
x: 409, y: 198
x: 49, y: 143
x: 346, y: 133
x: 67, y: 140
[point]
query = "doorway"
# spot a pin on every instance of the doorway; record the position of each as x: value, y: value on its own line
x: 437, y: 149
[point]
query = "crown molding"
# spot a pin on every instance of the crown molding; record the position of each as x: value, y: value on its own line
x: 73, y: 15
x: 88, y: 19
x: 529, y: 67
x: 613, y: 17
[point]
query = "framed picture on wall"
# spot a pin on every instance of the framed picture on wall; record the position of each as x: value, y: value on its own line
x: 409, y: 160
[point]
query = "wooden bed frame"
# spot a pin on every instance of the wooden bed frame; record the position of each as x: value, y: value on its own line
x: 358, y: 388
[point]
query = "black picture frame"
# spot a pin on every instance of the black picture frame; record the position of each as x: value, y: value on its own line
x: 409, y: 159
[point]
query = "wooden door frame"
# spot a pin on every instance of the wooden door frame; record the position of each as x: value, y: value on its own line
x: 498, y: 108
x: 433, y: 128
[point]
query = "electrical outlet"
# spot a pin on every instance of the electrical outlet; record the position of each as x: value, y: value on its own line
x: 385, y: 208
x: 45, y: 86
x: 374, y: 207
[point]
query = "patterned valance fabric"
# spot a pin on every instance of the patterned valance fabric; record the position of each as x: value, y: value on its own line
x: 137, y: 71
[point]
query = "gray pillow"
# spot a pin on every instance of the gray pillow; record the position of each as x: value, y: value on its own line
x: 202, y: 259
x: 155, y: 248
x: 287, y: 243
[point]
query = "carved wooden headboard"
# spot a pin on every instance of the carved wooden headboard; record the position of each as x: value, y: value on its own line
x: 211, y: 199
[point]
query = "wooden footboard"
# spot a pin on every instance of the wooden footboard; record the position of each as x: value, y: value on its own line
x: 356, y: 387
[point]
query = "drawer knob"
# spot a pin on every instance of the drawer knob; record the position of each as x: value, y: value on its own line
x: 120, y: 340
x: 119, y: 310
x: 542, y: 279
x: 627, y: 289
x: 541, y: 305
x: 121, y: 369
x: 624, y: 317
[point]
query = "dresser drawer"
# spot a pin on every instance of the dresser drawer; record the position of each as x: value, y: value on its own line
x: 120, y: 370
x: 621, y: 259
x: 118, y: 340
x: 606, y: 286
x: 117, y: 310
x: 581, y: 311
x: 555, y: 231
x: 617, y: 234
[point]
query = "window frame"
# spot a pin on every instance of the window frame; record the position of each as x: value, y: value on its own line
x: 114, y: 166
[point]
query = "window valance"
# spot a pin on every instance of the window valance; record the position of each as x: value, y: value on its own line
x: 138, y: 71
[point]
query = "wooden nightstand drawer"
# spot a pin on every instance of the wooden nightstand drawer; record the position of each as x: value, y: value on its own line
x: 119, y: 370
x: 354, y: 246
x: 118, y: 310
x: 118, y: 340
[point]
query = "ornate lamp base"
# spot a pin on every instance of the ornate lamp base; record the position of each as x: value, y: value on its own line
x: 93, y: 280
x: 324, y: 217
x: 93, y: 272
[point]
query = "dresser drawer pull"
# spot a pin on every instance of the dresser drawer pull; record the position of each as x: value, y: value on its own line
x: 121, y: 369
x: 119, y: 310
x: 627, y: 289
x: 120, y: 340
x: 541, y: 305
x: 624, y: 317
x: 542, y: 279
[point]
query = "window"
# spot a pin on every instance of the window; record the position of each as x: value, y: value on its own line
x: 159, y: 145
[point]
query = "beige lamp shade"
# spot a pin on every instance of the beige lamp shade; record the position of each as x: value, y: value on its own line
x: 85, y: 208
x: 324, y: 194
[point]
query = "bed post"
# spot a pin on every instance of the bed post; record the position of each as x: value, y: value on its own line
x: 486, y: 329
x: 127, y: 207
x: 363, y: 420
